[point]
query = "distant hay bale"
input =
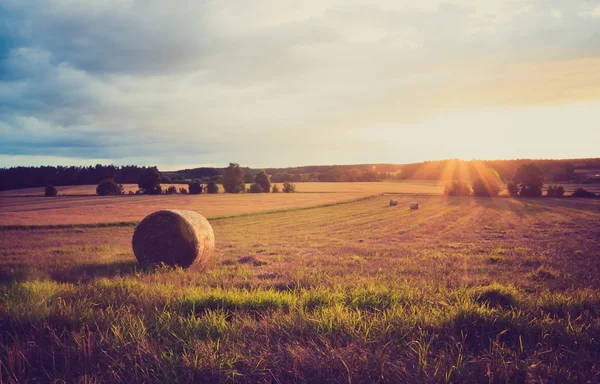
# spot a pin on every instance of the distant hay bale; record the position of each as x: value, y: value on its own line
x: 174, y: 237
x: 393, y: 202
x: 414, y: 205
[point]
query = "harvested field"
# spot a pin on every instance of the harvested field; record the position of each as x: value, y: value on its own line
x: 64, y: 210
x: 461, y: 290
x: 426, y: 187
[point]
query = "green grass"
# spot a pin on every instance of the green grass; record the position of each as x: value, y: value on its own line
x: 356, y: 292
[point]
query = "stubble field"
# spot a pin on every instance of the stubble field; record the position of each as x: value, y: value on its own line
x: 462, y: 290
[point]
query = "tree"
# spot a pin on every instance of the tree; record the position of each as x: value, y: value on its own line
x: 256, y: 188
x: 263, y: 180
x: 485, y: 187
x: 289, y: 187
x: 50, y: 191
x: 212, y: 187
x: 513, y: 189
x: 530, y: 179
x: 275, y: 188
x: 150, y: 181
x: 457, y: 188
x: 233, y: 179
x: 109, y: 187
x: 183, y: 191
x: 195, y: 188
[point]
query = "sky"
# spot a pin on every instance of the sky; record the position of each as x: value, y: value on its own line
x: 282, y: 83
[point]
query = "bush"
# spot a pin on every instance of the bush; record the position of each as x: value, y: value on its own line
x: 275, y: 188
x: 513, y: 189
x: 580, y: 192
x: 530, y: 191
x: 555, y: 191
x: 487, y: 188
x: 195, y: 188
x: 109, y: 187
x: 264, y: 181
x: 289, y: 187
x: 457, y: 188
x: 150, y: 181
x: 212, y: 187
x: 256, y: 188
x: 183, y: 191
x: 50, y: 191
x: 171, y: 190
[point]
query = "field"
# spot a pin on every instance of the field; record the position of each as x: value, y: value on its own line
x: 68, y: 210
x: 422, y: 187
x: 462, y: 290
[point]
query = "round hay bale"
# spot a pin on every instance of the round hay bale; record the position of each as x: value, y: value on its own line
x: 176, y: 238
x: 414, y: 205
x: 393, y: 202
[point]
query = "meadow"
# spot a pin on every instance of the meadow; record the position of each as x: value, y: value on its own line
x: 463, y: 290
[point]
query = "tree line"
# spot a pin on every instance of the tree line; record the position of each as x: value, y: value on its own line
x: 527, y: 181
x: 31, y: 177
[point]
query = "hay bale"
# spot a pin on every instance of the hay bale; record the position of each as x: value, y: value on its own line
x: 174, y: 237
x: 414, y: 205
x: 393, y: 202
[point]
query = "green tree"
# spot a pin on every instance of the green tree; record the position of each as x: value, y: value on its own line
x: 195, y: 187
x: 233, y: 179
x: 150, y: 181
x: 485, y: 187
x: 457, y: 188
x: 264, y: 181
x: 212, y: 187
x: 275, y: 188
x: 530, y: 179
x: 109, y: 187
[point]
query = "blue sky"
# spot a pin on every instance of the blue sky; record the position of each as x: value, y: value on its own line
x: 281, y: 83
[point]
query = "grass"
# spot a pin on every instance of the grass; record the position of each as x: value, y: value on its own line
x: 356, y: 292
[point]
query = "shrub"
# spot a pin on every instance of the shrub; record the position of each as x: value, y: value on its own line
x: 255, y: 188
x: 171, y: 190
x: 275, y: 188
x: 263, y: 180
x: 555, y: 191
x: 289, y: 187
x: 513, y: 189
x: 150, y: 181
x: 233, y: 179
x: 457, y: 188
x: 109, y: 187
x: 212, y: 187
x: 50, y: 191
x: 485, y: 187
x: 530, y: 191
x: 183, y: 191
x: 580, y: 192
x: 195, y: 188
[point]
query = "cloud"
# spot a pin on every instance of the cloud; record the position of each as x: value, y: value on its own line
x: 210, y: 82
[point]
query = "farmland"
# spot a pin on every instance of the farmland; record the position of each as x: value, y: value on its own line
x: 426, y: 187
x: 462, y: 290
